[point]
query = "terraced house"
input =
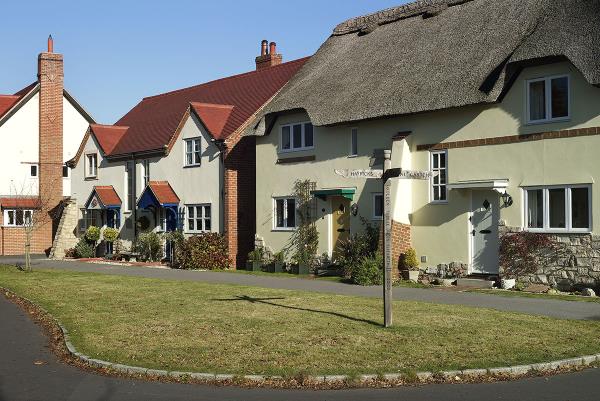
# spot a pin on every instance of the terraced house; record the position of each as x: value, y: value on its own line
x: 41, y: 127
x: 500, y: 98
x: 178, y: 160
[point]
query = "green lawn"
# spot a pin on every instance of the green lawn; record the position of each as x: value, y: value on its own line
x: 194, y: 326
x: 559, y: 297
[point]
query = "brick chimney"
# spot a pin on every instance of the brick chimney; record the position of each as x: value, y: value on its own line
x: 51, y: 80
x: 268, y: 55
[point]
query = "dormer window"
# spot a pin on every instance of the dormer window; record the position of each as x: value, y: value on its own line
x: 548, y: 99
x: 296, y: 137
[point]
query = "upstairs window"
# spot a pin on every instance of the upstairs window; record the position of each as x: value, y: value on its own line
x: 129, y: 185
x: 192, y: 152
x: 439, y: 181
x: 284, y: 213
x: 563, y: 208
x: 33, y: 170
x: 17, y: 217
x: 146, y: 171
x: 91, y: 165
x: 548, y: 99
x: 353, y: 142
x: 296, y: 137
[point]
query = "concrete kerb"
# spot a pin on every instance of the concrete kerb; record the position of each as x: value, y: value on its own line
x: 422, y: 377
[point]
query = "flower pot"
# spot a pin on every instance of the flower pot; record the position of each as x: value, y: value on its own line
x: 278, y: 267
x: 411, y: 275
x: 303, y: 269
x: 508, y: 283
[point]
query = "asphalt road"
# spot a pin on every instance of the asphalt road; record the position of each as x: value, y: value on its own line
x: 22, y: 344
x: 544, y: 307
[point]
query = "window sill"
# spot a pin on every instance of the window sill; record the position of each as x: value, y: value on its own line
x: 551, y: 121
x: 280, y: 151
x: 290, y: 160
x: 192, y: 166
x: 558, y: 231
x: 91, y: 178
x: 352, y: 156
x: 438, y: 202
x: 285, y: 230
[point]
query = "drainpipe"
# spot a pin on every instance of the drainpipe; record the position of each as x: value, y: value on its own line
x: 220, y: 144
x: 134, y: 206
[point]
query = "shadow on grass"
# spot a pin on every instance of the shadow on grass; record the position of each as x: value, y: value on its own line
x: 266, y: 301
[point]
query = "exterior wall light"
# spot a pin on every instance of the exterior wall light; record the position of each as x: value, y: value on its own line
x: 507, y: 199
x: 354, y: 209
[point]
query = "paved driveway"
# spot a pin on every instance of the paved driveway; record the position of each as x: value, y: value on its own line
x: 544, y: 307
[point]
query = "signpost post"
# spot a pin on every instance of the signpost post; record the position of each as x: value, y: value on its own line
x: 385, y: 175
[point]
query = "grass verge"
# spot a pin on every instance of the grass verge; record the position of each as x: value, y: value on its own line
x: 192, y: 326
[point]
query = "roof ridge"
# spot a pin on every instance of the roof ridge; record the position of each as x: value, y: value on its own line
x: 392, y: 14
x: 215, y: 105
x: 110, y: 126
x: 224, y: 79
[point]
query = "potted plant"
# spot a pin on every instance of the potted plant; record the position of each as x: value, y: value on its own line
x: 255, y: 259
x: 410, y: 265
x: 110, y: 235
x: 278, y: 261
x: 303, y: 261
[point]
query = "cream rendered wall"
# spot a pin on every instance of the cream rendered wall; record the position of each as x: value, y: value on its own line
x: 112, y: 173
x: 193, y: 185
x: 440, y: 231
x: 20, y: 150
x: 74, y: 128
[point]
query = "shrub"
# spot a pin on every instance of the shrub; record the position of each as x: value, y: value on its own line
x: 149, y: 246
x: 110, y: 234
x: 92, y: 234
x: 368, y: 271
x: 357, y: 247
x: 408, y: 260
x: 204, y: 251
x: 305, y: 239
x: 279, y: 256
x: 177, y: 239
x: 524, y: 253
x: 85, y: 249
x: 257, y: 255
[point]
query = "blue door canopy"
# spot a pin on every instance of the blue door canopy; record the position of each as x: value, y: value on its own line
x: 158, y: 194
x: 103, y: 197
x: 347, y: 193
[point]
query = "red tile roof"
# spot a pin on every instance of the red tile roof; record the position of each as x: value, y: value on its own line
x: 163, y: 192
x: 8, y: 101
x: 154, y: 121
x: 213, y: 116
x: 108, y: 196
x: 108, y: 136
x: 20, y: 202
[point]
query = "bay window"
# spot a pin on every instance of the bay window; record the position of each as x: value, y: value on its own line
x: 558, y: 208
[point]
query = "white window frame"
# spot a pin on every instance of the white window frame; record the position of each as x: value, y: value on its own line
x: 303, y: 147
x: 6, y: 212
x: 375, y: 195
x: 548, y: 95
x: 194, y: 141
x: 196, y: 219
x: 433, y: 186
x: 568, y: 209
x: 353, y: 142
x: 285, y: 213
x: 88, y: 173
x: 145, y: 173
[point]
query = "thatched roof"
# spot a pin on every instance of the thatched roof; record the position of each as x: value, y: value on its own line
x: 438, y: 54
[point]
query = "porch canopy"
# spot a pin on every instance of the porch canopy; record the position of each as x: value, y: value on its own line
x: 160, y: 194
x: 498, y: 185
x: 322, y: 194
x: 105, y: 198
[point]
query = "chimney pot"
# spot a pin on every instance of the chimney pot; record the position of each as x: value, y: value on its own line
x: 273, y: 48
x: 263, y: 48
x: 50, y: 44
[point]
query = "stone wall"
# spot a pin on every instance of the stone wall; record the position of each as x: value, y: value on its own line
x: 575, y: 264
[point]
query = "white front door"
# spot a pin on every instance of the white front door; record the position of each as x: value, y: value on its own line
x: 484, y: 231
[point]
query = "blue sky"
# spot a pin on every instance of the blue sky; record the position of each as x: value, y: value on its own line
x: 117, y: 52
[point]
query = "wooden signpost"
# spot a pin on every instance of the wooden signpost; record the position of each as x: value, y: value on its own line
x: 385, y: 175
